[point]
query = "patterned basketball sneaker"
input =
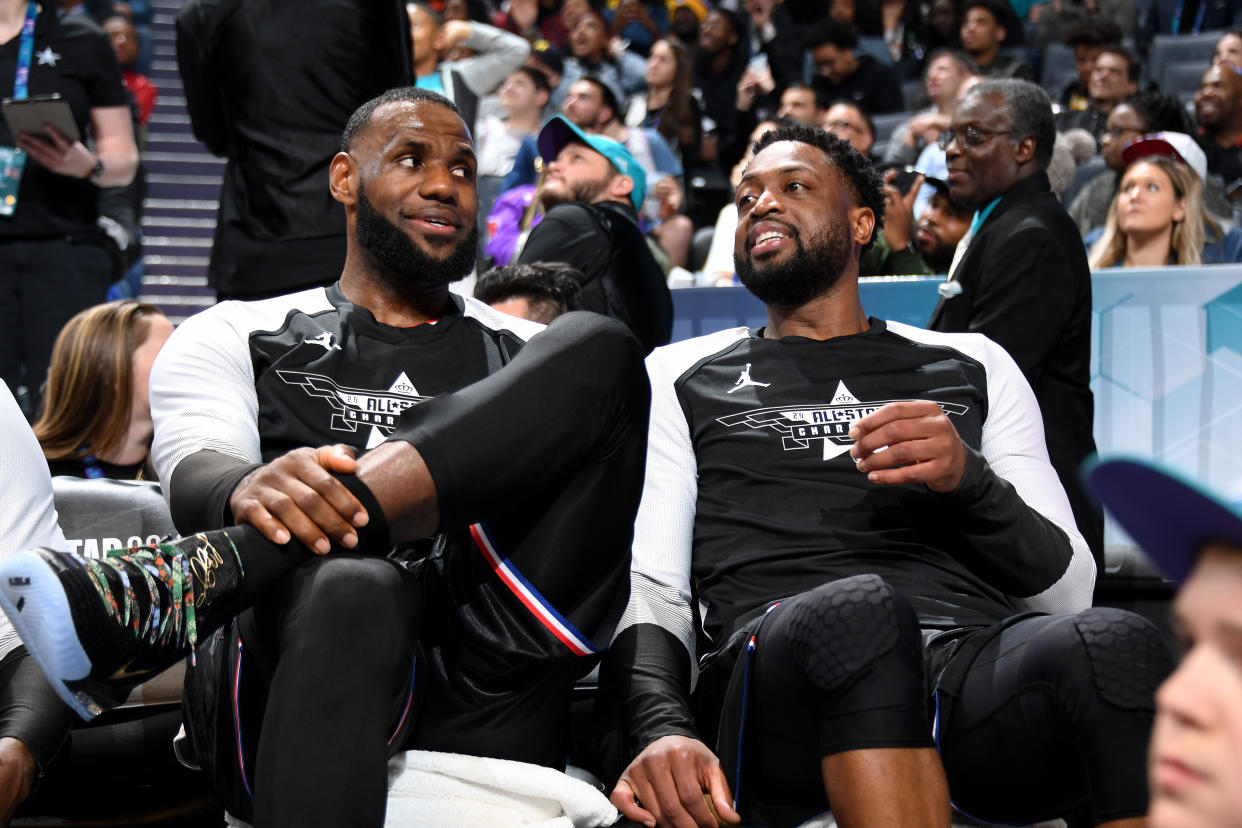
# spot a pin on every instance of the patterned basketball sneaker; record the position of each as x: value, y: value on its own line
x: 98, y: 628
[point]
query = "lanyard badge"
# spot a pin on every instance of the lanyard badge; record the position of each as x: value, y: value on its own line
x: 13, y: 159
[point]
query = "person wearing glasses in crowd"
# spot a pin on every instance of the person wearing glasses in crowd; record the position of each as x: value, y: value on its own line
x: 1020, y: 275
x: 1140, y: 114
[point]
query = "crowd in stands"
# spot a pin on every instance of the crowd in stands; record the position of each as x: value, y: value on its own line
x: 555, y: 156
x: 714, y: 71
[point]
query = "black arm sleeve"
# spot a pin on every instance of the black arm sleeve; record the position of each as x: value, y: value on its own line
x: 1004, y: 540
x: 199, y: 491
x: 648, y: 670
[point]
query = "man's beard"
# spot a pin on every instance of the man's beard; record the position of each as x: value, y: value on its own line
x: 939, y: 257
x: 810, y: 272
x: 399, y: 256
x: 588, y: 191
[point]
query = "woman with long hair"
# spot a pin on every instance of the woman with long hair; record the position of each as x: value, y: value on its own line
x: 1156, y: 218
x: 669, y: 106
x: 96, y: 416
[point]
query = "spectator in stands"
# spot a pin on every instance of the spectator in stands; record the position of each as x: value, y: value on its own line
x: 1087, y: 40
x: 1113, y: 79
x: 275, y: 107
x: 983, y: 32
x: 497, y: 54
x: 1022, y: 279
x: 96, y: 418
x: 774, y: 36
x: 33, y: 719
x: 789, y: 505
x: 125, y: 45
x: 942, y: 27
x: 466, y: 11
x: 892, y: 251
x: 1218, y: 110
x: 924, y: 246
x: 534, y: 20
x: 669, y: 107
x: 1157, y: 217
x: 1228, y: 49
x: 121, y: 208
x: 1079, y: 22
x: 592, y: 107
x: 688, y: 17
x: 1140, y: 114
x: 547, y: 59
x: 841, y: 72
x: 523, y: 97
x: 942, y: 224
x: 846, y: 119
x: 947, y: 69
x: 800, y: 103
x: 720, y: 60
x: 758, y: 96
x: 639, y: 22
x: 53, y: 260
x: 1195, y: 536
x: 592, y: 192
x: 540, y: 291
x: 594, y: 52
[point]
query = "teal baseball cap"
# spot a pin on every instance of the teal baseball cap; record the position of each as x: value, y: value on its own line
x: 559, y: 131
x: 1168, y: 515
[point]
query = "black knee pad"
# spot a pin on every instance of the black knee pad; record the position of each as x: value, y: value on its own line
x: 839, y: 629
x: 1128, y: 657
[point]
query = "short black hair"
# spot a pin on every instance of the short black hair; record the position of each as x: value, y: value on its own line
x: 606, y: 92
x: 857, y: 107
x: 1094, y: 33
x: 1132, y: 62
x: 1031, y: 111
x: 537, y: 77
x: 1000, y: 12
x: 1159, y: 112
x: 861, y: 179
x: 362, y: 115
x: 834, y: 32
x: 551, y: 287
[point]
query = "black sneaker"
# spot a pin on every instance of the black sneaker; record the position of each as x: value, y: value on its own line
x: 98, y: 628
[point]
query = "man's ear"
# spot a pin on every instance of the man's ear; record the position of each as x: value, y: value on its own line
x: 343, y: 178
x: 620, y: 187
x: 862, y: 224
x: 1024, y: 151
x: 1000, y: 30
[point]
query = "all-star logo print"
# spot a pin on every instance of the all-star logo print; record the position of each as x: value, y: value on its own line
x: 801, y: 425
x: 355, y: 408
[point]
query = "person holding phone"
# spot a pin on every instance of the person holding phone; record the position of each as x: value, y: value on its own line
x: 52, y: 262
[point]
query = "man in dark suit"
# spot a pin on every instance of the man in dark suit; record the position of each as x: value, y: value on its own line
x: 1021, y: 274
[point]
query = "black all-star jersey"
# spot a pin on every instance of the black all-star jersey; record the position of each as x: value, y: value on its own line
x: 751, y: 495
x: 253, y: 380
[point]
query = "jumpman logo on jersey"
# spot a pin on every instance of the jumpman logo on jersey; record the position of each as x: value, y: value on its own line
x: 324, y: 340
x: 744, y: 381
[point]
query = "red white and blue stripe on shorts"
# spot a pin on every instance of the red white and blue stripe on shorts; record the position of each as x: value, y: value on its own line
x: 526, y: 592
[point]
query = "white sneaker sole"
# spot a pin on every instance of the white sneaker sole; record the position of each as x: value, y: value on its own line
x: 34, y: 599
